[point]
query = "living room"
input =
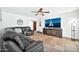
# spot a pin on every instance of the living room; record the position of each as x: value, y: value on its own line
x: 60, y: 37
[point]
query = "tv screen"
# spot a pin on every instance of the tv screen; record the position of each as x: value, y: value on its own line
x: 55, y: 22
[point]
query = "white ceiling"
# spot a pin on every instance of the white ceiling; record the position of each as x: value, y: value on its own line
x: 27, y: 11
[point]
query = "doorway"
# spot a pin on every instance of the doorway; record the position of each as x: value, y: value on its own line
x: 34, y: 26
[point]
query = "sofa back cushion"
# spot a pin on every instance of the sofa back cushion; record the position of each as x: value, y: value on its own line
x: 27, y: 29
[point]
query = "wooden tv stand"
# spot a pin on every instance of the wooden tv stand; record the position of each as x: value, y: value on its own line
x: 53, y: 32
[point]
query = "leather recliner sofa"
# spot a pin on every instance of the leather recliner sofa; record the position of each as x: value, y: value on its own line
x: 14, y: 42
x: 23, y: 30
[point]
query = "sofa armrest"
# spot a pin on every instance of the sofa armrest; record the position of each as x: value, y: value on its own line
x: 36, y: 47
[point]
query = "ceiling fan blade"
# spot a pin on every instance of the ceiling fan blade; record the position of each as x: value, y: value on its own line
x: 34, y: 11
x: 46, y: 12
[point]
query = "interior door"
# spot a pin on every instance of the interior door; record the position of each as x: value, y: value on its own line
x: 34, y: 26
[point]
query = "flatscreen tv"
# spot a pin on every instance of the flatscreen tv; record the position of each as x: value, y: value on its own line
x: 54, y: 22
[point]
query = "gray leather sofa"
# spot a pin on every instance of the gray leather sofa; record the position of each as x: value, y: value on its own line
x: 23, y: 30
x: 14, y: 42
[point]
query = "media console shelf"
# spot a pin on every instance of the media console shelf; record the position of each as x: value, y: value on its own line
x: 53, y: 32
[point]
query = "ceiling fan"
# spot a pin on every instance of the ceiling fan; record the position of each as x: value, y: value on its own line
x: 40, y: 12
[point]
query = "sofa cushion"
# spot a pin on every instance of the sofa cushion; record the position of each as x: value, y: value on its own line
x: 19, y: 42
x: 12, y: 35
x: 30, y: 40
x: 12, y: 46
x: 27, y: 29
x: 25, y: 41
